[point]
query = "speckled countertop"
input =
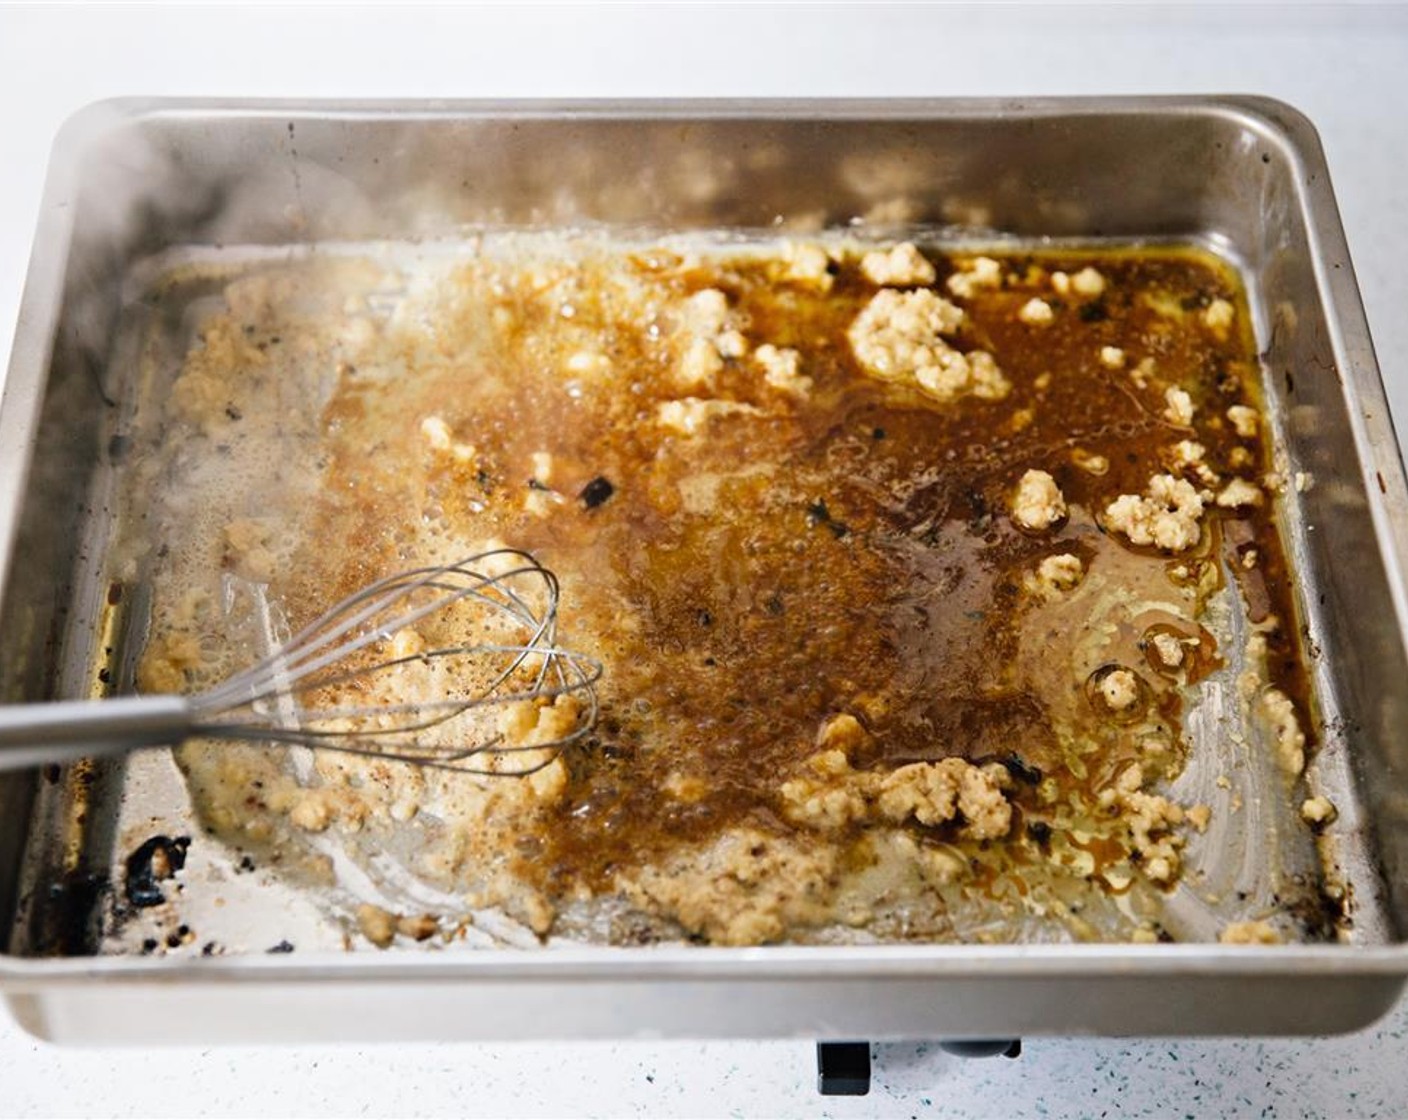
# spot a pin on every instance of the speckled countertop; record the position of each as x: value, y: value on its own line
x: 1360, y: 1076
x: 1344, y: 67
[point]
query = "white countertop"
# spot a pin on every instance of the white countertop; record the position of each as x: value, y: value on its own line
x: 1345, y: 68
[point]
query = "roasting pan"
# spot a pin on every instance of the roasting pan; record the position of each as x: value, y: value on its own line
x: 135, y: 181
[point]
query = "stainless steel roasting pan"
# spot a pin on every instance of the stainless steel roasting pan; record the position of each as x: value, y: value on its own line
x: 1244, y: 177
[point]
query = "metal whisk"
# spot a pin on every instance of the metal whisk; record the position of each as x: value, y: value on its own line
x: 318, y: 688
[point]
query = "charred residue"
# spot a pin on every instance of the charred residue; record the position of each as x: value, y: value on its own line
x: 154, y: 862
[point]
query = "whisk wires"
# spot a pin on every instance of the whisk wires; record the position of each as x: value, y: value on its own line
x: 362, y: 679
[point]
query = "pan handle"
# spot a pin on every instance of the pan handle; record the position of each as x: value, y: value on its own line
x: 64, y: 730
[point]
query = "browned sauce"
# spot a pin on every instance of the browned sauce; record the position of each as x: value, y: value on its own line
x: 867, y: 563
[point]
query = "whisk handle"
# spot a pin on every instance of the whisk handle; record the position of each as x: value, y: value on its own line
x: 64, y: 730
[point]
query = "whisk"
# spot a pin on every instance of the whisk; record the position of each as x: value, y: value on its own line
x: 304, y: 693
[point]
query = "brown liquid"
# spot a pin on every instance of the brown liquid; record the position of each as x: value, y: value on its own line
x: 858, y: 555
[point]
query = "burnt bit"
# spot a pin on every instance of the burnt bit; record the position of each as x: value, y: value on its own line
x: 1039, y: 831
x: 980, y: 508
x: 1022, y: 771
x: 1226, y: 380
x: 597, y: 491
x: 818, y: 514
x: 281, y: 947
x: 246, y: 863
x: 534, y: 484
x: 156, y: 860
x: 1319, y: 915
x: 1240, y: 538
x: 1094, y: 312
x: 233, y: 413
x: 149, y: 946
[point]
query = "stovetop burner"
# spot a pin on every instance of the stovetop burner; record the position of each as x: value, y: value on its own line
x: 843, y: 1068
